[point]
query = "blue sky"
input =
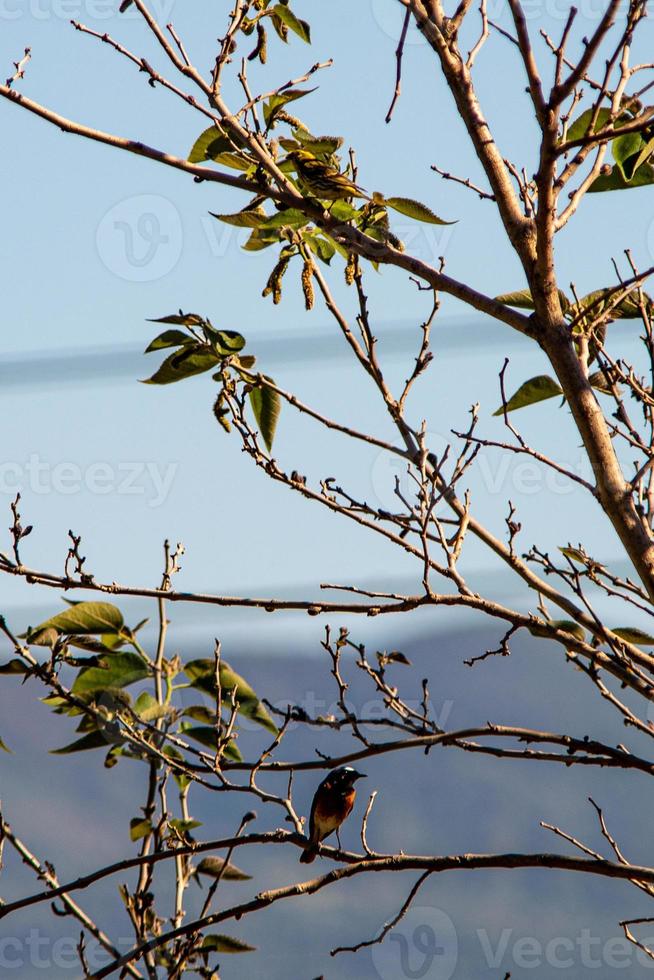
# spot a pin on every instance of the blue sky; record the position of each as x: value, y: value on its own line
x: 98, y: 241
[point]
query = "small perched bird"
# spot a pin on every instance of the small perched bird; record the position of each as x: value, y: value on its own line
x: 331, y: 805
x: 321, y: 179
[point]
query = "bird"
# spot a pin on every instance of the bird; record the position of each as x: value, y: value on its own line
x: 322, y: 180
x: 332, y: 804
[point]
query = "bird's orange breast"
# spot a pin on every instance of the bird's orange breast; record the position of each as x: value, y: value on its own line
x: 330, y: 813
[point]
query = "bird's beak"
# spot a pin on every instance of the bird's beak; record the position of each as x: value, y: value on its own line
x: 358, y: 775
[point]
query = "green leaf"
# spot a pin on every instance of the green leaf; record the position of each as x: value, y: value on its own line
x: 112, y: 756
x: 208, y: 143
x: 235, y: 162
x: 324, y: 248
x: 82, y: 618
x: 276, y: 102
x: 180, y: 778
x: 181, y: 319
x: 414, y: 209
x: 574, y: 554
x: 344, y: 211
x: 252, y: 218
x: 299, y: 27
x: 394, y: 657
x: 138, y: 828
x: 626, y: 150
x: 318, y: 145
x: 535, y: 390
x: 226, y: 342
x: 523, y: 299
x: 190, y: 360
x: 633, y: 635
x: 615, y: 180
x: 199, y: 712
x: 94, y: 740
x: 261, y: 238
x: 14, y: 666
x: 225, y: 944
x: 206, y: 735
x: 119, y: 670
x: 266, y: 405
x: 148, y: 708
x: 569, y: 626
x: 600, y: 300
x: 169, y: 338
x: 183, y: 826
x: 581, y: 126
x: 289, y: 218
x: 4, y: 748
x: 215, y: 866
x: 646, y: 153
x: 201, y: 674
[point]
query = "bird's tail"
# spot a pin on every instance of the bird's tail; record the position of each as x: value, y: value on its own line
x: 309, y: 855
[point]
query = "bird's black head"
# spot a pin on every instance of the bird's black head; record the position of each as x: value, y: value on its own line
x: 345, y: 777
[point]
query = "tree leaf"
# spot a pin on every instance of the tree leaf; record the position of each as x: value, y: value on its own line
x: 600, y: 300
x: 119, y: 670
x: 343, y: 211
x: 299, y: 27
x: 535, y: 390
x: 523, y: 299
x: 615, y: 180
x: 633, y: 635
x: 210, y: 144
x: 318, y: 145
x: 276, y: 102
x: 139, y: 828
x: 581, y: 126
x: 569, y: 626
x: 266, y: 405
x: 252, y: 218
x: 201, y: 674
x: 394, y: 657
x: 169, y: 338
x: 225, y: 944
x: 261, y: 238
x: 289, y: 218
x: 14, y: 666
x: 181, y: 319
x: 94, y: 740
x: 626, y: 150
x: 82, y: 618
x: 206, y: 735
x: 324, y: 248
x: 190, y: 360
x: 180, y: 778
x: 414, y: 209
x: 183, y: 826
x: 215, y: 866
x: 226, y: 342
x: 148, y: 708
x: 574, y: 554
x: 646, y: 153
